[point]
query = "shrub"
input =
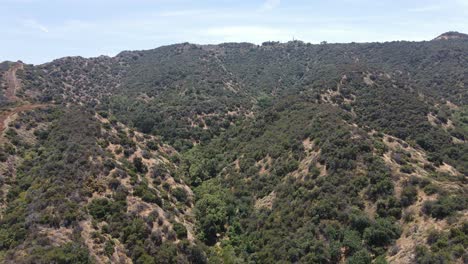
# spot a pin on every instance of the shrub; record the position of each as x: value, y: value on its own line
x: 360, y: 222
x: 99, y: 208
x: 109, y: 247
x: 352, y: 241
x: 147, y: 194
x: 431, y: 189
x: 180, y: 194
x: 152, y: 145
x: 3, y: 156
x: 444, y: 206
x: 389, y: 207
x: 360, y: 257
x: 139, y: 166
x: 104, y: 114
x: 180, y: 230
x: 381, y: 233
x: 212, y: 215
x: 67, y: 253
x: 409, y: 195
x: 423, y: 256
x: 407, y: 169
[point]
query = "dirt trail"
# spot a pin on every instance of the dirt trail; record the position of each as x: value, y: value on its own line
x: 4, y: 117
x: 12, y: 82
x: 13, y: 85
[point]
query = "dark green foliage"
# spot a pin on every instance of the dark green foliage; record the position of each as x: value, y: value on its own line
x: 389, y: 207
x: 102, y: 208
x: 445, y: 206
x: 167, y: 253
x: 139, y: 166
x: 431, y: 189
x: 212, y: 212
x: 352, y: 241
x: 424, y: 256
x: 13, y: 228
x: 379, y: 179
x: 103, y: 114
x: 447, y: 246
x: 67, y: 253
x: 152, y: 145
x: 109, y: 248
x: 408, y: 195
x: 360, y: 257
x: 3, y: 155
x: 300, y: 207
x: 180, y: 230
x: 147, y: 194
x: 180, y: 194
x: 52, y: 176
x: 407, y: 169
x: 381, y: 233
x: 359, y: 221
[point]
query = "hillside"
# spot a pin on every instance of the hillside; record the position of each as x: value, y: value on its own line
x: 452, y: 35
x: 238, y: 153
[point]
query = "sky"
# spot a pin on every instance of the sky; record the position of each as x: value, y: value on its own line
x: 38, y: 31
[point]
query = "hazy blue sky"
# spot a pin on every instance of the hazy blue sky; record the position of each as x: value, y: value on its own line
x: 38, y: 31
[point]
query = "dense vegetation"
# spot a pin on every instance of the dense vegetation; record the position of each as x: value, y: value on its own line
x: 239, y: 153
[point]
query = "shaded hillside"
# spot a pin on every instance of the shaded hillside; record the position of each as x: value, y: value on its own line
x: 238, y: 153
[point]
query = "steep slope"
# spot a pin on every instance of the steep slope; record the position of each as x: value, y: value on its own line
x: 89, y: 194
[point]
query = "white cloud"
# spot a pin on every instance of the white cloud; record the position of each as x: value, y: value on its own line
x: 270, y: 4
x: 30, y: 23
x: 255, y: 34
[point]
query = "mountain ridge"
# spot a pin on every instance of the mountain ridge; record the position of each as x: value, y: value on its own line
x: 452, y: 35
x: 234, y: 153
x: 449, y: 35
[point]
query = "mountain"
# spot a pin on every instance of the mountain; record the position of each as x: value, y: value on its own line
x: 452, y: 35
x: 238, y: 153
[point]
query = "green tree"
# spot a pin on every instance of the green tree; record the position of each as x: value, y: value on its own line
x: 211, y: 212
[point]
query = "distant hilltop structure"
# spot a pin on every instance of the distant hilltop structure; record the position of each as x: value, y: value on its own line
x: 452, y: 35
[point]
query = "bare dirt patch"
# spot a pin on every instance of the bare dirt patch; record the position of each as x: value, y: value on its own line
x: 367, y: 79
x: 446, y: 168
x: 434, y: 121
x: 265, y: 202
x: 96, y: 250
x: 13, y: 84
x: 452, y: 105
x: 416, y: 231
x: 264, y: 165
x: 57, y: 236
